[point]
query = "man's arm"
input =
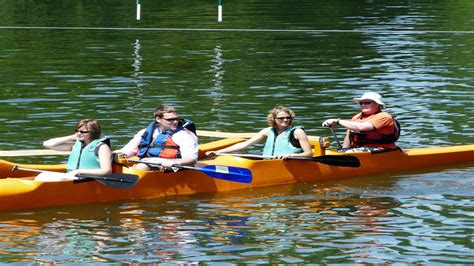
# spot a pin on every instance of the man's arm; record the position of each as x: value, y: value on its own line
x: 188, y: 147
x: 131, y: 148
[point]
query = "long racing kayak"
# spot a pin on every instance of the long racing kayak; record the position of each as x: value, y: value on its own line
x: 224, y: 173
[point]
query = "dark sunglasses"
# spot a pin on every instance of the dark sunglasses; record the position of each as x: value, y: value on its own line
x: 366, y: 103
x: 172, y: 119
x: 284, y: 117
x: 81, y: 131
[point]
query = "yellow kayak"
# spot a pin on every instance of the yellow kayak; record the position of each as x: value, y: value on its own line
x: 18, y: 190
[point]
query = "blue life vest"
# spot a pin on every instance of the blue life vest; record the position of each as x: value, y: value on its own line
x: 85, y: 157
x: 163, y: 146
x: 284, y: 143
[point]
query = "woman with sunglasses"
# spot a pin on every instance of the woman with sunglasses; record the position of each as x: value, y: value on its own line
x: 370, y: 130
x: 166, y: 141
x: 90, y: 154
x: 283, y: 140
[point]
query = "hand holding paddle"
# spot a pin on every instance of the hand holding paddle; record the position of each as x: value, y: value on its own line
x: 335, y: 137
x: 211, y: 154
x: 331, y: 123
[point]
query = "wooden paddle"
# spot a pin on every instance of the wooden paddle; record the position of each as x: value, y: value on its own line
x: 229, y: 173
x: 111, y: 180
x: 336, y: 160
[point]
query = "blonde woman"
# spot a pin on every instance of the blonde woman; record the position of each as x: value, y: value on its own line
x: 283, y: 140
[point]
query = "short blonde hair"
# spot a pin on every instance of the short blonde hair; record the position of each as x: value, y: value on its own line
x: 277, y: 109
x: 163, y: 109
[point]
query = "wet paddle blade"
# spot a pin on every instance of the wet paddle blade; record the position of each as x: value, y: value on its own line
x: 124, y: 181
x: 338, y: 160
x: 229, y: 173
x: 111, y: 180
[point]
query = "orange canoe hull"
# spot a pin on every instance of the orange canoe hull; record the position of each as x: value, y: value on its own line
x: 17, y: 191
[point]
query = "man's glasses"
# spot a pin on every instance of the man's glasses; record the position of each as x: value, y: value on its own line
x: 284, y: 117
x: 171, y: 119
x: 365, y: 103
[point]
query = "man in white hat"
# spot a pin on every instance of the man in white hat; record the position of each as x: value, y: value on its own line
x: 370, y: 130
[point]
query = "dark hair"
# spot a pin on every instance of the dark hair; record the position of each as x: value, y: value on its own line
x: 91, y: 125
x: 162, y: 109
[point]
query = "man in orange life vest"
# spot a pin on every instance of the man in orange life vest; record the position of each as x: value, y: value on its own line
x: 164, y: 141
x: 371, y: 129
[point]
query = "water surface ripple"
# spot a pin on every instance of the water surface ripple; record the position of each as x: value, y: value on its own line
x: 65, y: 61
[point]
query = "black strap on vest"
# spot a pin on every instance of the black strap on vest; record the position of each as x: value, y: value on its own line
x: 293, y: 140
x: 385, y: 139
x: 163, y: 146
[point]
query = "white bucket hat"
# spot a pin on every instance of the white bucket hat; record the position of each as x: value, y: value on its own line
x: 373, y: 96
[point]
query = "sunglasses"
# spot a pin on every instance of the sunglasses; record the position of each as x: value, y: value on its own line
x: 365, y: 103
x: 284, y: 117
x: 81, y: 131
x: 171, y: 119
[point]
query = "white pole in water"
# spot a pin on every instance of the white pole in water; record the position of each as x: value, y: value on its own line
x: 139, y: 9
x: 219, y: 11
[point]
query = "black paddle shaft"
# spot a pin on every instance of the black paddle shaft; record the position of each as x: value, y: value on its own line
x: 112, y: 180
x: 335, y: 160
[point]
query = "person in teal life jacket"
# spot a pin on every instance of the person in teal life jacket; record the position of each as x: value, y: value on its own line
x: 90, y: 154
x: 283, y: 140
x: 166, y: 141
x: 371, y: 129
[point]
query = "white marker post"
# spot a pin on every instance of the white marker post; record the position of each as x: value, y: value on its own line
x: 219, y: 11
x: 139, y: 9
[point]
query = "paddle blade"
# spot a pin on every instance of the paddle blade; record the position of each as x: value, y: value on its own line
x: 336, y: 160
x: 229, y: 173
x: 124, y: 181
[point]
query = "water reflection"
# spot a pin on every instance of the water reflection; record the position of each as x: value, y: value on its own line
x: 222, y: 86
x: 227, y: 81
x: 137, y: 63
x: 138, y: 90
x: 405, y: 67
x: 328, y: 222
x: 217, y: 93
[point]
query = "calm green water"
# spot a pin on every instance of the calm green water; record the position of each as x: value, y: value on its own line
x: 62, y: 61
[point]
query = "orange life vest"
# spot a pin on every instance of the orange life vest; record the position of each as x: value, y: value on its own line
x: 373, y: 138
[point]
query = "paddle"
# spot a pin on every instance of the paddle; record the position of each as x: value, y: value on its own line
x: 336, y: 160
x: 229, y: 173
x: 111, y: 180
x: 335, y: 137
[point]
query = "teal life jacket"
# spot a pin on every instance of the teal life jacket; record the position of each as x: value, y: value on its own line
x: 285, y: 143
x: 85, y: 157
